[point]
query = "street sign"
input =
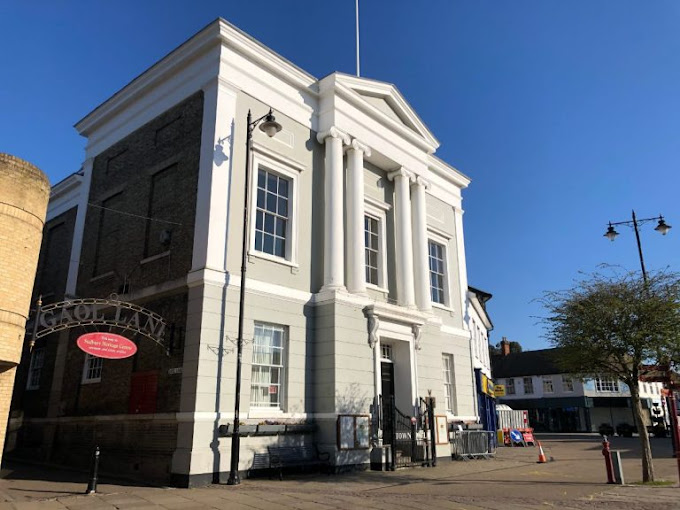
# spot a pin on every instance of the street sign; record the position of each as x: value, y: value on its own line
x: 106, y: 345
x: 516, y: 436
x: 499, y: 390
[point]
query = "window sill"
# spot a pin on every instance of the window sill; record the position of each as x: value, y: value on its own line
x: 377, y: 288
x: 91, y: 381
x: 441, y: 306
x: 154, y: 257
x: 103, y: 276
x: 32, y: 388
x: 266, y: 412
x: 271, y: 258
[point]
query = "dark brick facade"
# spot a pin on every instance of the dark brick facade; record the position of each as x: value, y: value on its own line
x: 152, y: 173
x: 50, y: 283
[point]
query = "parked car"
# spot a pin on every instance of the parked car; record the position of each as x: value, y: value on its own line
x: 625, y: 429
x: 605, y: 429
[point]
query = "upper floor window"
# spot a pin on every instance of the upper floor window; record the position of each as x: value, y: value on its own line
x: 372, y: 249
x: 567, y: 383
x: 606, y: 384
x: 510, y: 386
x: 92, y: 371
x: 528, y: 385
x: 437, y: 272
x: 267, y: 379
x: 272, y: 214
x: 35, y: 369
x: 548, y: 384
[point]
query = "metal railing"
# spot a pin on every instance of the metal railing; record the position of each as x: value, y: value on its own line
x: 469, y: 444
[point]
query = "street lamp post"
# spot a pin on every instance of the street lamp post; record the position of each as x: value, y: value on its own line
x: 270, y: 127
x: 662, y: 227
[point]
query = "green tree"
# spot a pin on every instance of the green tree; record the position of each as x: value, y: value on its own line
x: 610, y: 324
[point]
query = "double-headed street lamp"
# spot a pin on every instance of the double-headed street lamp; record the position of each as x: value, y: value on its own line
x: 270, y: 127
x: 662, y: 228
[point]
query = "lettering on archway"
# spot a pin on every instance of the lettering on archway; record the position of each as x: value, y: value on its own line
x: 115, y: 315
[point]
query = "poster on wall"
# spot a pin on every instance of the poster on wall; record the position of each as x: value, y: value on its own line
x: 354, y: 431
x: 442, y: 429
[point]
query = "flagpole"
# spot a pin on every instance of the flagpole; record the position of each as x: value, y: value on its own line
x: 357, y: 30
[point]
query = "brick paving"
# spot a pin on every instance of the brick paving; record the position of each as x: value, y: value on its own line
x: 512, y: 481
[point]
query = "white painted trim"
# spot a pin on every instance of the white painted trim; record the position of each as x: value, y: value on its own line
x: 444, y: 243
x: 292, y: 173
x: 272, y: 155
x: 381, y: 217
x: 452, y: 330
x: 272, y: 289
x: 376, y: 204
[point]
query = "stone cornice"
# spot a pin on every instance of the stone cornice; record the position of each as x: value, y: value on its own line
x: 333, y: 133
x: 447, y: 172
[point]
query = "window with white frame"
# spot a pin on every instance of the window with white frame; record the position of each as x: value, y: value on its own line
x: 35, y: 368
x: 548, y: 384
x: 272, y: 213
x: 372, y: 249
x: 510, y: 386
x: 92, y: 371
x: 267, y: 379
x: 567, y: 383
x: 606, y: 385
x: 447, y: 375
x: 528, y: 385
x: 385, y: 352
x: 437, y: 272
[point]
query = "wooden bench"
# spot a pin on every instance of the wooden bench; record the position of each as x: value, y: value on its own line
x: 294, y: 456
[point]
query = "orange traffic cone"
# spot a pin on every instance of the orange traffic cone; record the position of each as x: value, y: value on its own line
x: 541, y: 455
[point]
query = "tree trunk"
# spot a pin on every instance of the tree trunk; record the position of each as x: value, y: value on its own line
x: 647, y: 466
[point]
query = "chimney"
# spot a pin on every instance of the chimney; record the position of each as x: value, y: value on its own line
x: 505, y: 347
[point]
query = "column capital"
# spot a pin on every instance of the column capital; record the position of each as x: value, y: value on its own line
x: 333, y: 132
x: 401, y: 172
x: 358, y: 146
x: 421, y: 181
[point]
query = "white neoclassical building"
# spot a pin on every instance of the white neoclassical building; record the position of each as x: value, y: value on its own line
x: 356, y: 286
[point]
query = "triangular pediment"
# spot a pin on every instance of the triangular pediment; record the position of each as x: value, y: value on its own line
x: 388, y: 100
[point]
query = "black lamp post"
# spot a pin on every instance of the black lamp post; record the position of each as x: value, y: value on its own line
x: 270, y: 127
x: 662, y: 228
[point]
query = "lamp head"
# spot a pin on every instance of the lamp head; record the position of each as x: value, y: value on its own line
x: 662, y: 227
x: 270, y: 127
x: 611, y: 233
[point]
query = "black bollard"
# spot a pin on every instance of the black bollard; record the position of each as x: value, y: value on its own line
x: 92, y: 484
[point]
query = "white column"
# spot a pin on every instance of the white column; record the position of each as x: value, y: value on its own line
x: 421, y: 264
x: 402, y: 227
x: 334, y: 251
x: 460, y: 257
x: 356, y: 272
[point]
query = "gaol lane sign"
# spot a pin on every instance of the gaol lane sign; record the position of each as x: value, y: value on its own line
x: 107, y: 345
x: 117, y: 316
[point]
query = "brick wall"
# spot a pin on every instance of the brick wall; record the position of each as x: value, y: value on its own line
x: 24, y: 191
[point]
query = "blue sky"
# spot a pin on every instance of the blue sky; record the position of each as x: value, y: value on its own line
x: 565, y: 114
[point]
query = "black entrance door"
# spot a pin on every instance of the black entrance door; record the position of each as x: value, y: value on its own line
x: 387, y: 377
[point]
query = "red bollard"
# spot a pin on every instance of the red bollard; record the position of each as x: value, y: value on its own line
x: 608, y: 459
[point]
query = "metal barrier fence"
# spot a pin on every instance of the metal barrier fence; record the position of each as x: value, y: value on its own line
x: 468, y: 444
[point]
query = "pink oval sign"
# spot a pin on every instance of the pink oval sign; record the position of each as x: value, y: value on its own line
x: 107, y: 345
